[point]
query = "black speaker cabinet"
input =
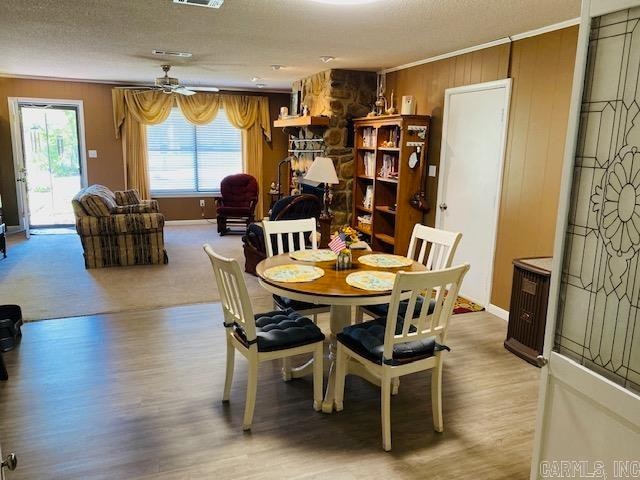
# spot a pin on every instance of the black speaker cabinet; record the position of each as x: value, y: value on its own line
x: 528, y: 310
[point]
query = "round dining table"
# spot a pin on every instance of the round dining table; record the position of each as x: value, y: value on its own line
x: 331, y: 289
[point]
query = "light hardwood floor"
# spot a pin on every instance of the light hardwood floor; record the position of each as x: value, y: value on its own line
x: 137, y: 396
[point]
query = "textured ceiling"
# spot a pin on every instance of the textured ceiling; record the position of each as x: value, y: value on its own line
x: 111, y: 40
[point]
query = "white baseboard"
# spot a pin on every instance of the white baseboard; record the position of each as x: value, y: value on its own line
x: 498, y: 312
x: 195, y: 221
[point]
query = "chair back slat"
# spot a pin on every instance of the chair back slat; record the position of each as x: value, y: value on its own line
x: 440, y: 245
x: 234, y: 296
x: 408, y: 316
x: 289, y: 229
x: 443, y: 286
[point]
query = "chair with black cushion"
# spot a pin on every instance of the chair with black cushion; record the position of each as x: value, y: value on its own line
x: 440, y: 245
x: 293, y: 207
x: 402, y: 344
x: 284, y: 236
x: 237, y: 202
x: 259, y: 338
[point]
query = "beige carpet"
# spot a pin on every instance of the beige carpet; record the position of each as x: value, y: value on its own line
x: 46, y: 276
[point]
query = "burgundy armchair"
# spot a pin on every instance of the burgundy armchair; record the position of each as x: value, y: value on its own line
x: 237, y: 202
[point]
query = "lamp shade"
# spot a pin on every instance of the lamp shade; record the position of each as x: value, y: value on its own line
x: 322, y: 171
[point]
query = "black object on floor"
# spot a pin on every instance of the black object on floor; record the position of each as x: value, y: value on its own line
x: 10, y: 322
x: 3, y: 370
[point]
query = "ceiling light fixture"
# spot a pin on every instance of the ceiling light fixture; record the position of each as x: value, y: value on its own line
x: 260, y: 85
x: 276, y: 67
x: 201, y: 3
x: 327, y: 58
x: 168, y: 53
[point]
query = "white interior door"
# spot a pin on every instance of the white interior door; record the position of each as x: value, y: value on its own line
x: 471, y: 160
x: 589, y: 404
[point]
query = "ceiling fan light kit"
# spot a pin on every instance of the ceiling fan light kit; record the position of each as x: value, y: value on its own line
x: 169, y: 85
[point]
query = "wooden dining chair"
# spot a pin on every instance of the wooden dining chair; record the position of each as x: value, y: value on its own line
x: 259, y: 338
x: 283, y: 236
x: 403, y: 344
x: 441, y: 246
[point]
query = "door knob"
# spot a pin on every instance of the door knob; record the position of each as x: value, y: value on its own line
x: 10, y: 462
x: 541, y: 361
x: 443, y: 206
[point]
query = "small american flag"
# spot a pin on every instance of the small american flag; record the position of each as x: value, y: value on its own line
x: 338, y: 244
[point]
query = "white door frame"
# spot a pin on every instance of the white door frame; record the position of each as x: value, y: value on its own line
x: 601, y: 390
x: 478, y: 87
x: 17, y: 143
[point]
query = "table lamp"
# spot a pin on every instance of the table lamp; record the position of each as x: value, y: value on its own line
x: 322, y: 170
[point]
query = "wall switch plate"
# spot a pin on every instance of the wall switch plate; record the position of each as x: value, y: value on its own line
x: 432, y: 170
x: 93, y: 154
x: 202, y: 202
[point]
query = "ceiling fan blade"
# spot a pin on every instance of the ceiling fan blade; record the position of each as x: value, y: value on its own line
x: 204, y: 89
x: 183, y: 91
x: 135, y: 87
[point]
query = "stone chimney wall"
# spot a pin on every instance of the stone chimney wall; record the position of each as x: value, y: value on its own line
x: 340, y: 95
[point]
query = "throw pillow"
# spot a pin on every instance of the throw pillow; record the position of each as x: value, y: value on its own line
x: 127, y: 197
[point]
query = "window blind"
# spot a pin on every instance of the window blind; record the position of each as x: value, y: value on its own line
x: 187, y: 158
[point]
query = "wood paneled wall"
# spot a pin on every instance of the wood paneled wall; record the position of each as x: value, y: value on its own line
x: 541, y: 68
x: 542, y: 72
x: 108, y: 168
x: 427, y: 84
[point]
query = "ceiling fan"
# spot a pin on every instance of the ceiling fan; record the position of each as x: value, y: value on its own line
x: 169, y: 84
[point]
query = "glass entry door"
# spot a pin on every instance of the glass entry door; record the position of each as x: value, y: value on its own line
x: 52, y: 162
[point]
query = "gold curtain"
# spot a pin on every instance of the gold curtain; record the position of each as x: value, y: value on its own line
x: 248, y: 114
x: 133, y: 110
x: 199, y: 109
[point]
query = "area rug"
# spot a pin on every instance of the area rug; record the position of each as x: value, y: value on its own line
x: 463, y: 305
x: 45, y: 275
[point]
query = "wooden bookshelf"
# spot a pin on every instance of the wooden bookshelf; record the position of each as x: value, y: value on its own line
x: 382, y: 143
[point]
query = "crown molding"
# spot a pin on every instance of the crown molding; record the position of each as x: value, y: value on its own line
x: 482, y: 46
x: 120, y: 83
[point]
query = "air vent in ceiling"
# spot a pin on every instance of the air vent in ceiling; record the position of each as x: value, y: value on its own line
x: 168, y: 53
x: 202, y: 3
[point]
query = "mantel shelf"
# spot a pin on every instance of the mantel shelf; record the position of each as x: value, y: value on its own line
x: 307, y: 121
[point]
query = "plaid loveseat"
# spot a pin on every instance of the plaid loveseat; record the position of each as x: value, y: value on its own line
x: 118, y: 229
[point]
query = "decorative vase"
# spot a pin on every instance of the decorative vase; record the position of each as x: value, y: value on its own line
x: 344, y: 260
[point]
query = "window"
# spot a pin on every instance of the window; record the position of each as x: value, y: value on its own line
x: 187, y: 159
